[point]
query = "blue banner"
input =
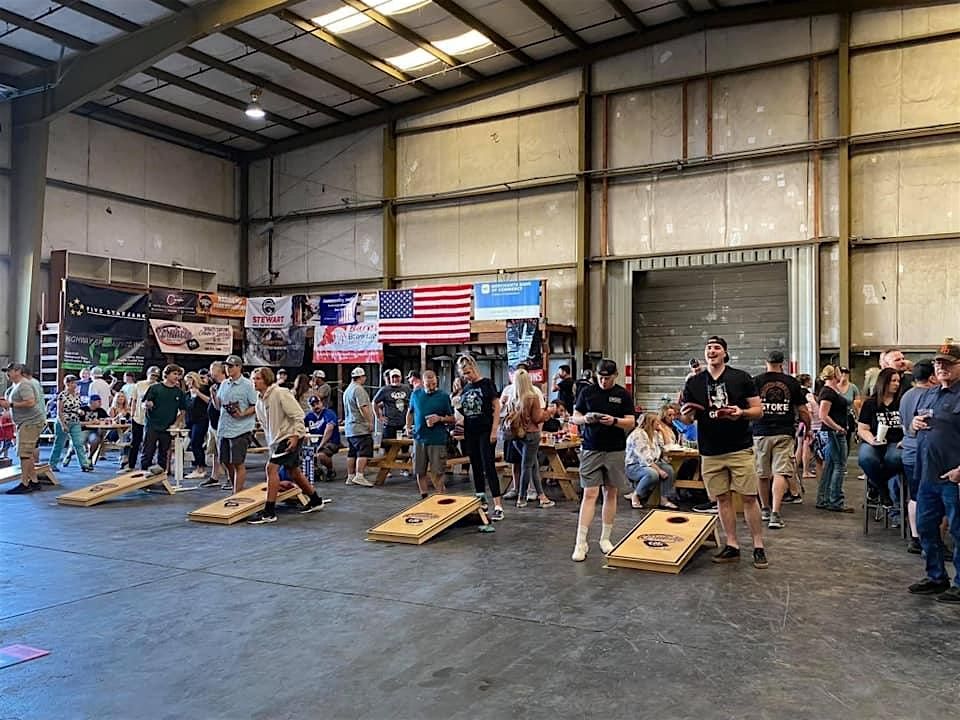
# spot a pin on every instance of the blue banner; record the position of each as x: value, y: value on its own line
x: 506, y: 300
x: 331, y: 309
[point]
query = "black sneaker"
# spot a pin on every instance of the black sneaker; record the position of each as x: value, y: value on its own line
x: 951, y: 596
x: 35, y: 486
x: 765, y: 514
x: 87, y: 468
x: 261, y: 519
x: 312, y: 507
x: 913, y: 547
x: 929, y: 587
x: 727, y: 555
x: 331, y: 475
x: 760, y: 559
x: 20, y: 489
x: 791, y: 499
x: 708, y: 508
x: 209, y: 482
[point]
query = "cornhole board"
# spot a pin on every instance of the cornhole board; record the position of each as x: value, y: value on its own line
x: 242, y: 505
x: 429, y: 517
x: 44, y: 474
x: 119, y: 485
x: 664, y: 541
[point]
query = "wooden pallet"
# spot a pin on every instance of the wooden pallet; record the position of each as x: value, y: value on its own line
x: 427, y: 518
x: 116, y: 486
x: 44, y: 474
x: 664, y: 541
x: 243, y: 504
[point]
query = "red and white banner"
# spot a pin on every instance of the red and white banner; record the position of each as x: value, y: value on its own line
x: 193, y: 338
x: 347, y: 344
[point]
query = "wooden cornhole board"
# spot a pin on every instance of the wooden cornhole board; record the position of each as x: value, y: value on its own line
x: 242, y: 505
x: 119, y: 485
x: 429, y: 517
x: 44, y: 474
x: 664, y: 541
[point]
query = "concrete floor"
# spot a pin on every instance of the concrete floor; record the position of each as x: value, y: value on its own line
x: 150, y: 616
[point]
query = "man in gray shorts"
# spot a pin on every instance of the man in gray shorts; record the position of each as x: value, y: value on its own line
x: 605, y: 412
x: 237, y: 401
x: 428, y: 417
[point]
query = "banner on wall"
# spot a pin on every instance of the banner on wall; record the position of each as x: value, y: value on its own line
x: 229, y: 306
x: 347, y: 344
x: 274, y: 347
x: 331, y: 309
x: 193, y: 338
x: 114, y: 354
x: 103, y: 327
x: 269, y: 312
x: 166, y: 303
x: 506, y: 300
x: 525, y: 345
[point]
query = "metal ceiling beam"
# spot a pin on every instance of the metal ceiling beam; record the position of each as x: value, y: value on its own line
x: 624, y: 11
x: 302, y: 23
x: 189, y: 114
x: 518, y: 77
x: 23, y: 56
x: 95, y: 71
x: 545, y: 14
x: 154, y: 129
x: 413, y: 37
x: 685, y: 7
x: 471, y: 21
x: 104, y: 16
x: 38, y: 28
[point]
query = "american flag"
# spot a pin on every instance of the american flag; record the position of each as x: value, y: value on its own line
x: 437, y: 314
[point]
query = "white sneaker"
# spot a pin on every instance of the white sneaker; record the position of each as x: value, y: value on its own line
x: 362, y: 481
x: 606, y: 547
x: 195, y: 475
x: 579, y: 552
x: 349, y: 479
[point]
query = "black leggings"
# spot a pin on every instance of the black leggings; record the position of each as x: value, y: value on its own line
x: 198, y: 443
x: 483, y: 462
x: 136, y: 442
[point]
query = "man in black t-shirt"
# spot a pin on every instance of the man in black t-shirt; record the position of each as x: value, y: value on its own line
x: 605, y: 412
x: 723, y: 401
x: 563, y: 386
x: 781, y: 398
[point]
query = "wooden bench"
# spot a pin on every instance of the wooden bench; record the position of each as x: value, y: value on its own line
x: 44, y: 474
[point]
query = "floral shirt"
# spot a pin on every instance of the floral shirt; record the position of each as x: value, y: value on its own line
x: 641, y: 450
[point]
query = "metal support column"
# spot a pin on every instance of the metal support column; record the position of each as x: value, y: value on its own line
x: 389, y: 208
x: 243, y: 178
x: 583, y: 214
x: 27, y: 191
x: 843, y: 152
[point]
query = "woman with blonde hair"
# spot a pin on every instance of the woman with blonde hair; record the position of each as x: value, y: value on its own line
x: 524, y: 407
x: 646, y: 466
x: 833, y: 438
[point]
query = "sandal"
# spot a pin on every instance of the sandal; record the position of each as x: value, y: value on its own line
x: 636, y: 504
x: 667, y: 505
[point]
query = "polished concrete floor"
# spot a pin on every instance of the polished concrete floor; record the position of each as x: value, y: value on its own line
x: 148, y: 615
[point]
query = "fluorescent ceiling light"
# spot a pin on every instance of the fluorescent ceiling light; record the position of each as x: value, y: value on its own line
x: 413, y: 60
x: 468, y: 42
x: 345, y: 19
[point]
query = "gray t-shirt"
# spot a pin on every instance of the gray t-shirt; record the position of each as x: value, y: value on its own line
x: 355, y: 397
x: 396, y: 402
x: 24, y: 390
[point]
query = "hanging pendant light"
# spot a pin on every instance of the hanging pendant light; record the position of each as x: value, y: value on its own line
x: 254, y: 109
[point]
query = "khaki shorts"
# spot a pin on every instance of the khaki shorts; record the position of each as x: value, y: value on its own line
x: 599, y: 468
x: 774, y: 455
x: 27, y: 438
x: 735, y: 471
x: 432, y: 457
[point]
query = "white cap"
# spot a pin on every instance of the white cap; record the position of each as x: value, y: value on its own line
x: 395, y: 373
x: 358, y: 372
x: 320, y: 374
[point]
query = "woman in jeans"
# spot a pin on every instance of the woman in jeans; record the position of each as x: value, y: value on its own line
x: 198, y: 421
x: 646, y: 467
x: 480, y: 407
x: 833, y: 437
x: 68, y: 425
x: 525, y: 403
x: 879, y: 457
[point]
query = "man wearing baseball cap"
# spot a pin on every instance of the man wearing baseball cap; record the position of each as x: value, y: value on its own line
x: 723, y: 401
x: 24, y: 400
x: 320, y: 387
x: 937, y: 425
x: 782, y: 400
x: 391, y: 403
x: 358, y: 427
x: 237, y: 401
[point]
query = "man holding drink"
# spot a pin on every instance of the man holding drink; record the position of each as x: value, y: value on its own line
x: 429, y: 414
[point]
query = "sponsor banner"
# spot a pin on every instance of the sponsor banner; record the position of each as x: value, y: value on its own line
x: 165, y: 303
x: 229, y: 306
x: 347, y: 344
x: 269, y: 312
x: 274, y: 347
x: 331, y: 309
x: 525, y: 345
x: 193, y: 338
x: 506, y: 300
x: 93, y: 310
x: 113, y: 354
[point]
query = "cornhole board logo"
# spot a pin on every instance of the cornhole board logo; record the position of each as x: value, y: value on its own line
x: 657, y: 540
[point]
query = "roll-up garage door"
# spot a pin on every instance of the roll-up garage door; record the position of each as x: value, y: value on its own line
x: 674, y: 311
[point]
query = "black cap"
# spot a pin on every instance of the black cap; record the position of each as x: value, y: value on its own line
x: 775, y: 357
x: 716, y: 339
x: 607, y: 367
x: 923, y: 370
x: 844, y: 370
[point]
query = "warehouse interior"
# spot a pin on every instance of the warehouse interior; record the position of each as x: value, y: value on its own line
x: 785, y: 174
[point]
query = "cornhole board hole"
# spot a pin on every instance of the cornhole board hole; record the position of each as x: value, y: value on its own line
x: 243, y: 504
x: 119, y: 485
x: 664, y: 541
x: 429, y: 517
x: 44, y: 474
